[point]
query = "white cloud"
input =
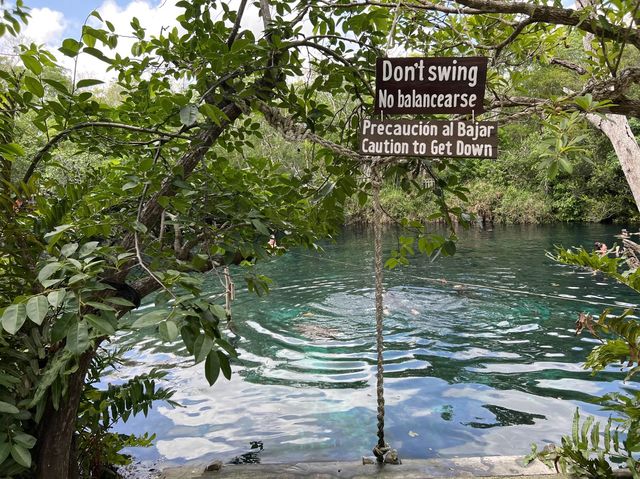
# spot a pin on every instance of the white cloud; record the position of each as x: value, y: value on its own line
x: 50, y: 27
x: 153, y: 16
x: 45, y: 26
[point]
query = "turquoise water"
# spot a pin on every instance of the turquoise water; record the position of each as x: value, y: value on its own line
x: 468, y: 371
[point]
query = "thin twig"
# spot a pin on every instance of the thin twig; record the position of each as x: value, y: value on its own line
x: 136, y: 240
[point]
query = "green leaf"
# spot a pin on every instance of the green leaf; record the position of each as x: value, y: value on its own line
x: 224, y: 365
x: 595, y: 436
x: 61, y: 327
x: 102, y: 325
x: 13, y: 318
x: 214, y: 113
x: 57, y: 85
x: 566, y: 165
x: 11, y: 150
x: 149, y: 319
x: 78, y: 337
x: 88, y: 82
x: 120, y: 302
x: 100, y: 306
x: 7, y: 408
x: 34, y: 86
x: 78, y: 278
x: 139, y: 227
x: 449, y: 248
x: 145, y: 165
x: 575, y: 427
x: 212, y: 367
x: 259, y: 225
x: 227, y: 347
x: 188, y: 114
x: 27, y: 440
x: 68, y: 249
x: 87, y: 248
x: 94, y: 52
x: 169, y: 331
x: 48, y: 270
x: 47, y: 283
x: 70, y: 47
x: 5, y: 450
x: 56, y: 298
x: 21, y: 455
x: 584, y: 433
x: 37, y: 308
x: 53, y: 236
x: 218, y: 310
x: 202, y: 347
x: 32, y: 63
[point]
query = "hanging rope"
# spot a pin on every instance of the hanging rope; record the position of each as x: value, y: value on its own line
x: 381, y: 448
x: 293, y: 131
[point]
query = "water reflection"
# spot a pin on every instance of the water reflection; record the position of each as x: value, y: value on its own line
x: 468, y: 370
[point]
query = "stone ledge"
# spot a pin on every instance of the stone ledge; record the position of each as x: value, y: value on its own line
x: 501, y: 467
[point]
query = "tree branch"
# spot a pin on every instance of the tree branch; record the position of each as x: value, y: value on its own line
x: 331, y: 53
x: 516, y: 31
x: 557, y: 16
x: 536, y: 14
x: 236, y: 24
x: 569, y: 65
x: 92, y: 124
x: 422, y: 5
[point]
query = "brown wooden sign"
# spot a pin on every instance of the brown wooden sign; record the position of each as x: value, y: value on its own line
x: 430, y: 85
x: 429, y: 138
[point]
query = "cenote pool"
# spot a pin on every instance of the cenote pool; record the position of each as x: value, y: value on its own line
x: 467, y: 371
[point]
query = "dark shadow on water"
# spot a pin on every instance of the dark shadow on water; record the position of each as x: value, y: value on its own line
x: 251, y: 457
x: 506, y: 417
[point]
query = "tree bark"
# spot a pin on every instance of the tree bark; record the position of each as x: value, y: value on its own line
x: 617, y: 129
x: 55, y: 439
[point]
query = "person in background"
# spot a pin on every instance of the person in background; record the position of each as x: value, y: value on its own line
x: 601, y: 248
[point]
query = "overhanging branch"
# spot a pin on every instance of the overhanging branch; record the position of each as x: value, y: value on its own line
x: 92, y: 124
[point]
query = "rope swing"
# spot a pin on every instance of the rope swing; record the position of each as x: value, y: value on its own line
x: 381, y: 448
x: 293, y: 131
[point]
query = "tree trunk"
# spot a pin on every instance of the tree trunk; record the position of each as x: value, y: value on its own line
x: 617, y: 129
x: 55, y: 442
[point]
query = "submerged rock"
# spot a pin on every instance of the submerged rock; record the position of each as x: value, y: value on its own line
x: 392, y: 457
x: 313, y: 331
x: 214, y: 466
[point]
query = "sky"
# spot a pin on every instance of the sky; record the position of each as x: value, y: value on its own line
x: 54, y: 20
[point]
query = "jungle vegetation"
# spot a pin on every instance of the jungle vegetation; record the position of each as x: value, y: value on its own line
x: 185, y: 165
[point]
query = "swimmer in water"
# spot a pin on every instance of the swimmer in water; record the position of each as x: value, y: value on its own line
x: 601, y: 248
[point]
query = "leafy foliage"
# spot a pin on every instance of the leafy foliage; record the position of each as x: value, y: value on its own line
x: 588, y: 452
x: 180, y: 177
x: 98, y: 447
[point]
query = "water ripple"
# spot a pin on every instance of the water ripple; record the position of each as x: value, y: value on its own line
x: 467, y: 370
